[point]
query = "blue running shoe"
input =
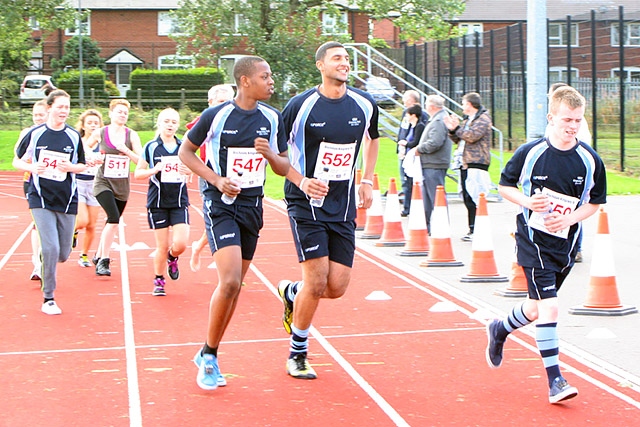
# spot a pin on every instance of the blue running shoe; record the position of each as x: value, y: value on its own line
x: 561, y: 390
x: 493, y: 353
x: 221, y: 380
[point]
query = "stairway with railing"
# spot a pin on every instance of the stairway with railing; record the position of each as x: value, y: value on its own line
x: 368, y: 62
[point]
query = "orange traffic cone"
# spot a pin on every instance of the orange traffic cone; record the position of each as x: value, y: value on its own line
x: 392, y: 234
x: 361, y: 213
x: 517, y: 286
x: 418, y: 241
x: 602, y: 297
x: 483, y: 263
x: 440, y: 249
x: 375, y: 222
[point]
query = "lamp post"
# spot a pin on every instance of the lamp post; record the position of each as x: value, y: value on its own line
x: 80, y: 60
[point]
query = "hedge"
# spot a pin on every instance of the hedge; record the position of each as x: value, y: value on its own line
x: 91, y: 79
x: 163, y: 88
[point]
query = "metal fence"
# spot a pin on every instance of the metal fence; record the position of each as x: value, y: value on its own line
x: 583, y: 50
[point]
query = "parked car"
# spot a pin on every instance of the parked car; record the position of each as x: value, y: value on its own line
x: 35, y: 87
x: 380, y: 89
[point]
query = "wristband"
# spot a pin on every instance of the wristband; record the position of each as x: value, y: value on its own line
x: 366, y: 181
x: 302, y: 183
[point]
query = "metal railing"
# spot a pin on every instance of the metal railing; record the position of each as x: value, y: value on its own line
x: 369, y: 62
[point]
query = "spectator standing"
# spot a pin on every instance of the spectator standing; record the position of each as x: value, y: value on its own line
x: 416, y: 127
x: 409, y: 98
x: 434, y: 149
x: 474, y: 134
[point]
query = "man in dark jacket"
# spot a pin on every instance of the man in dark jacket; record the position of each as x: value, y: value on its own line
x: 409, y: 99
x: 475, y: 133
x: 435, y: 153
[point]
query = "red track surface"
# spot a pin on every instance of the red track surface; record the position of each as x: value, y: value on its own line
x: 118, y: 356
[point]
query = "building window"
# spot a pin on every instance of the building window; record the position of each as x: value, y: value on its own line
x: 558, y: 35
x: 86, y: 27
x: 630, y: 73
x: 334, y: 24
x: 468, y: 35
x: 559, y: 74
x: 168, y: 24
x: 239, y: 25
x: 631, y: 36
x: 175, y: 62
x: 34, y: 24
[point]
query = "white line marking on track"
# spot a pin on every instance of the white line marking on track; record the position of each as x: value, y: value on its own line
x: 349, y: 369
x: 598, y: 365
x: 15, y: 245
x: 135, y: 412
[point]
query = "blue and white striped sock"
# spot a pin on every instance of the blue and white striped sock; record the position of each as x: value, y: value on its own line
x: 547, y: 342
x: 292, y: 290
x: 299, y: 341
x: 515, y: 320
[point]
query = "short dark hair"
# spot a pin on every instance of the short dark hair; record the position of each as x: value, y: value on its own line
x: 322, y: 50
x: 474, y: 99
x: 245, y: 66
x: 416, y: 110
x: 51, y: 98
x: 555, y: 86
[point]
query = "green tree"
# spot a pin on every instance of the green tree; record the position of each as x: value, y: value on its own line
x: 287, y: 32
x: 418, y: 20
x: 16, y: 41
x: 71, y: 59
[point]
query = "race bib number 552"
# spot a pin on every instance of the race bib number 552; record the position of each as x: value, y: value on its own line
x: 335, y: 161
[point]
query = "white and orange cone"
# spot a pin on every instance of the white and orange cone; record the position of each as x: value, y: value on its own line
x: 517, y: 286
x: 440, y: 249
x: 418, y: 240
x: 375, y: 221
x: 392, y: 233
x: 361, y: 213
x: 602, y: 297
x: 483, y: 263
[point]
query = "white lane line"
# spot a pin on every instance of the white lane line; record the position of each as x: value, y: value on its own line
x: 588, y: 360
x: 135, y: 412
x: 353, y: 373
x: 15, y: 245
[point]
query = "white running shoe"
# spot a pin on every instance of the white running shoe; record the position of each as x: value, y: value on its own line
x: 51, y: 308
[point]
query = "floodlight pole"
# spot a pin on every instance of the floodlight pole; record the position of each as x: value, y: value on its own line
x: 537, y: 75
x: 80, y: 60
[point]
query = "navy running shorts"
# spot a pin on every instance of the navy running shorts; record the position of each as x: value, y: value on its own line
x: 163, y: 218
x: 317, y: 239
x: 543, y: 284
x: 233, y: 225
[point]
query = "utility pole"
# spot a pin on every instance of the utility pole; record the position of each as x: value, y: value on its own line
x: 537, y: 73
x: 80, y: 60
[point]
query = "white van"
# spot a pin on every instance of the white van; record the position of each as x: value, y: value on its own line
x: 35, y: 87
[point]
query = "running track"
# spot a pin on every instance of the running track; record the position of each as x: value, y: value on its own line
x: 118, y: 356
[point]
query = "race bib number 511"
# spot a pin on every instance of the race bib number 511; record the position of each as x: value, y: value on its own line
x: 116, y: 166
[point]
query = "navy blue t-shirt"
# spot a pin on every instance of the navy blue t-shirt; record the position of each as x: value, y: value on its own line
x: 227, y: 125
x: 578, y: 172
x: 311, y: 119
x: 59, y: 196
x: 163, y: 195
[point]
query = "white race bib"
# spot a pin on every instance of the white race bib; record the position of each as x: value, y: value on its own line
x: 335, y: 161
x: 50, y: 160
x: 170, y: 170
x: 246, y: 166
x: 560, y: 203
x: 116, y: 166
